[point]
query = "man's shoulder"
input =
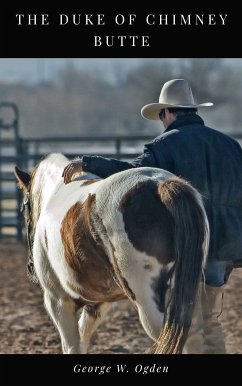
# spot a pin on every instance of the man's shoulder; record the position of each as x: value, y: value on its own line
x: 163, y: 136
x: 223, y: 136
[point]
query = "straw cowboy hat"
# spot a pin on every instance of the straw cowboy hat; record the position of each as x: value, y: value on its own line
x: 174, y: 93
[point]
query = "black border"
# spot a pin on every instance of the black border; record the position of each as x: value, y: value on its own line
x: 170, y: 41
x: 182, y: 369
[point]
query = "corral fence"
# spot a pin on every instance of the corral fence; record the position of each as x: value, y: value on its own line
x: 26, y: 152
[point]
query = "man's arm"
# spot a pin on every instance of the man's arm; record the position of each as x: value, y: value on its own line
x: 105, y: 167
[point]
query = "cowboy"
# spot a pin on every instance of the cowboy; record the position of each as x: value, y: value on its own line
x: 212, y: 162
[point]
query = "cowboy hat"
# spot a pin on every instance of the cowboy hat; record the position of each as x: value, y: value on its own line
x: 174, y: 93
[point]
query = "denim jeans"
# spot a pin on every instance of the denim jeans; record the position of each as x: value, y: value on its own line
x: 217, y: 272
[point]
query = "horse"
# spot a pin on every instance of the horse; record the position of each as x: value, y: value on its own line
x: 141, y: 234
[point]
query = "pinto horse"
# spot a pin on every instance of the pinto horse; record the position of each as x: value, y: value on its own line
x: 141, y: 234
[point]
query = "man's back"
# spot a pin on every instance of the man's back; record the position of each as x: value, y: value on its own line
x: 212, y: 162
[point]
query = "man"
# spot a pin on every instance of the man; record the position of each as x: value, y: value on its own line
x: 212, y: 162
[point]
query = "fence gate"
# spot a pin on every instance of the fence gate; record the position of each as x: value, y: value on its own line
x: 10, y: 195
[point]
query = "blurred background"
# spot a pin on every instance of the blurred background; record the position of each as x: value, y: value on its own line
x: 104, y: 96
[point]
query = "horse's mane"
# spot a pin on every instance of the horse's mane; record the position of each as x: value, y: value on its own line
x: 58, y: 160
x: 54, y: 163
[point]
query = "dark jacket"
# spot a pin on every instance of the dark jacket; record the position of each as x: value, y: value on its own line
x: 211, y: 161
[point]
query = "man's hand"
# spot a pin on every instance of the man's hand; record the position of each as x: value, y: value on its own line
x: 74, y: 167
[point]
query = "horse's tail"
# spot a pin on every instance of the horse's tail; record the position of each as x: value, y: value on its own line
x: 191, y: 240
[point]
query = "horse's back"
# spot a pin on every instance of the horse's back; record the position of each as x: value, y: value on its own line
x: 115, y: 187
x: 108, y: 192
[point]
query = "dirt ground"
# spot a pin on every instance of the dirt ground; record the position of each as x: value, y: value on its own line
x: 25, y: 328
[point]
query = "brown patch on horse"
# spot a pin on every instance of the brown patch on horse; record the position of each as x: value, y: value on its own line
x: 148, y: 223
x: 89, y: 182
x: 86, y: 255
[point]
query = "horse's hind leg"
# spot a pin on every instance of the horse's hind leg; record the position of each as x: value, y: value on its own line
x: 61, y: 308
x: 63, y: 312
x: 91, y: 318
